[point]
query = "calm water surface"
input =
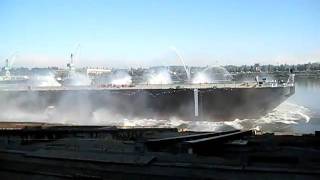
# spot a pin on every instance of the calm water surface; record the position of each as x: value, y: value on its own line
x: 308, y: 95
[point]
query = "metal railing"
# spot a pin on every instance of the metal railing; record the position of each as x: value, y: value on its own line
x: 225, y: 84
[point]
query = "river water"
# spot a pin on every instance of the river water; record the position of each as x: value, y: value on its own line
x: 307, y: 97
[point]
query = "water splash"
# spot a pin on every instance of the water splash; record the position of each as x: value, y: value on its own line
x: 201, y: 78
x: 122, y: 81
x: 283, y: 119
x: 78, y: 79
x: 160, y: 77
x: 287, y: 113
x: 187, y: 70
x: 279, y: 119
x: 121, y: 78
x: 45, y: 81
x: 212, y: 74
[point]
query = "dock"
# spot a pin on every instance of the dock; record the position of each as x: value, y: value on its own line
x: 38, y: 151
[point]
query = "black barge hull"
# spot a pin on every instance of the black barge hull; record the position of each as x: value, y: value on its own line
x: 184, y: 103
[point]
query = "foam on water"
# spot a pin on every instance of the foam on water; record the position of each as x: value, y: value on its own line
x: 282, y: 119
x: 285, y: 115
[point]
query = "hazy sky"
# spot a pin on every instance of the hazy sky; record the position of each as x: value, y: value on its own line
x: 143, y: 32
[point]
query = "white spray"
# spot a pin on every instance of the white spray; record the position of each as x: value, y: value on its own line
x: 160, y: 77
x: 121, y: 78
x: 212, y: 74
x: 183, y: 63
x: 47, y: 80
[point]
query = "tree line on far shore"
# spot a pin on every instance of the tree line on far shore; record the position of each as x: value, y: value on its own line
x: 274, y: 68
x: 308, y: 67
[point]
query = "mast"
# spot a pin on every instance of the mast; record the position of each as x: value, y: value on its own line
x: 73, y: 55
